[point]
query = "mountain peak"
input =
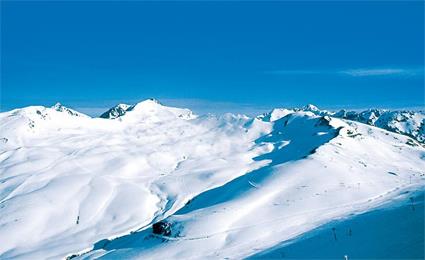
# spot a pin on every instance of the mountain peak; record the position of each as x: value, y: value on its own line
x: 147, y: 102
x: 121, y: 109
x: 58, y: 106
x: 146, y: 108
x: 116, y: 111
x: 310, y: 107
x: 61, y: 108
x: 153, y: 100
x: 152, y: 107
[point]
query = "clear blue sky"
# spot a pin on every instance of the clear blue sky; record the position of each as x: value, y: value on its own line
x: 94, y: 54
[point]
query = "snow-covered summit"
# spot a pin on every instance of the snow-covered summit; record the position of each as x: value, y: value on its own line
x: 314, y: 109
x: 121, y: 109
x: 150, y: 109
x: 310, y: 107
x: 147, y: 104
x: 60, y: 108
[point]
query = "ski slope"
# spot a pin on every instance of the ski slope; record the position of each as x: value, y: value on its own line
x: 395, y: 230
x: 229, y: 186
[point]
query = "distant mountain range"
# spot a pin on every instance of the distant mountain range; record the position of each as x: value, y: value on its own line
x: 410, y: 123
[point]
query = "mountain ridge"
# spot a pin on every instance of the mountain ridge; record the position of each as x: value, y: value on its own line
x: 406, y: 122
x: 410, y: 123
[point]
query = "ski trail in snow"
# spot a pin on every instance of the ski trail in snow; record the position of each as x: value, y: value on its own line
x: 253, y: 185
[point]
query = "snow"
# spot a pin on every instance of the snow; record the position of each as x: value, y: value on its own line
x: 393, y: 231
x: 276, y: 114
x: 231, y: 186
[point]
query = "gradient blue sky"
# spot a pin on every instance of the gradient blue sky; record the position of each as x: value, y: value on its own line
x: 250, y: 55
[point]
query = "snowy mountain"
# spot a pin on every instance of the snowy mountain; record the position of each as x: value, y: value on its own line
x: 403, y: 122
x: 121, y: 109
x: 160, y: 182
x: 60, y: 108
x: 116, y: 111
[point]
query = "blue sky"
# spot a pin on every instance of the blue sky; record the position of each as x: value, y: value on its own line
x: 216, y: 55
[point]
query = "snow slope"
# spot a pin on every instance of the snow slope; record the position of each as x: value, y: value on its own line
x: 393, y: 231
x: 229, y: 186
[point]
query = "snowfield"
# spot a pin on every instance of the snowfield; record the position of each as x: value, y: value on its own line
x: 223, y: 186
